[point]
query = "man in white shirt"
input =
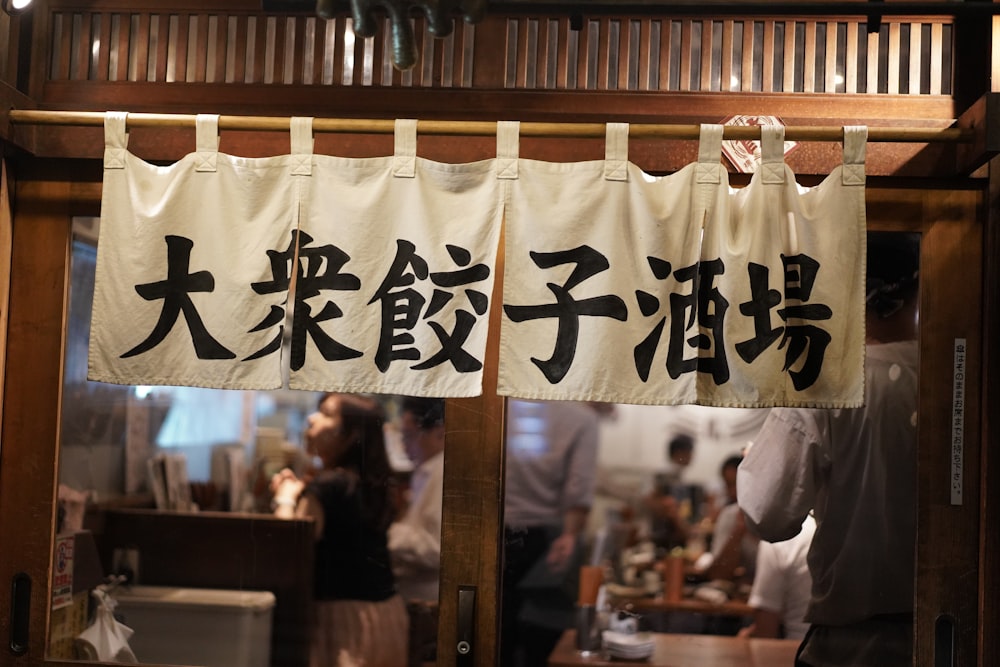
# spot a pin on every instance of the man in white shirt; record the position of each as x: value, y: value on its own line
x: 733, y: 555
x: 856, y: 469
x: 415, y: 540
x: 782, y: 587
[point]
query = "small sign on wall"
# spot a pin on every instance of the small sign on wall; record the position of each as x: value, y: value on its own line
x: 957, y: 422
x: 62, y: 577
x: 744, y: 154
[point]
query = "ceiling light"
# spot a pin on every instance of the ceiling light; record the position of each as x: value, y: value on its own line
x: 15, y: 6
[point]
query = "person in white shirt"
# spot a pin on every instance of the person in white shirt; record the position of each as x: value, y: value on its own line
x: 782, y: 587
x: 733, y: 555
x: 856, y: 470
x: 415, y: 540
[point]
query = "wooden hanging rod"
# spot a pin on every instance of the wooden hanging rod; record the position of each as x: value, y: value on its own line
x: 487, y: 128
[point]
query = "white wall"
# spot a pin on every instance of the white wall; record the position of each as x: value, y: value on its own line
x: 636, y: 438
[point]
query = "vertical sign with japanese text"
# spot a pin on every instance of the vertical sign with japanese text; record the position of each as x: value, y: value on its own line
x: 957, y: 423
x: 62, y: 573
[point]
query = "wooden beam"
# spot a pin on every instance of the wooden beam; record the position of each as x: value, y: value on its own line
x: 651, y: 146
x: 39, y: 277
x: 473, y: 505
x: 948, y: 567
x: 6, y: 245
x: 8, y: 54
x: 984, y: 118
x: 11, y: 98
x: 989, y: 537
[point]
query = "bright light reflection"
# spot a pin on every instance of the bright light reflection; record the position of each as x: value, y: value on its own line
x: 18, y: 5
x: 349, y: 53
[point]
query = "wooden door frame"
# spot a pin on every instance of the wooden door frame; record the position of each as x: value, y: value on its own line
x: 6, y: 229
x: 989, y: 574
x: 948, y: 577
x: 39, y: 275
x: 947, y: 549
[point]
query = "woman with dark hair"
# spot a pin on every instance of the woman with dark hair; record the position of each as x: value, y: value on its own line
x: 360, y: 620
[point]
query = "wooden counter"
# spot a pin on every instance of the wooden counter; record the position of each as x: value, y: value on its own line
x: 688, y: 651
x: 690, y: 605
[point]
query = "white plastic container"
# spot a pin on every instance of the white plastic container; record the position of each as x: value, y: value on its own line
x: 206, y: 627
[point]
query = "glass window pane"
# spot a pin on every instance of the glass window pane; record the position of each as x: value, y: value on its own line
x: 629, y: 518
x: 224, y: 522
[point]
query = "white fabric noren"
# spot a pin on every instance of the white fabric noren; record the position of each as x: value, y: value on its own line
x: 855, y: 146
x: 619, y: 286
x: 508, y: 139
x: 397, y: 269
x: 709, y: 167
x: 115, y: 139
x: 207, y: 141
x: 678, y: 290
x: 405, y: 148
x: 772, y: 154
x: 186, y: 292
x: 302, y: 145
x: 616, y: 152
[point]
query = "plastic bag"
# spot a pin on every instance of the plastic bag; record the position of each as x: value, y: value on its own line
x: 105, y: 639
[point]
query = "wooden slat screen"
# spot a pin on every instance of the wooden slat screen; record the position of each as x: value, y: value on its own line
x: 5, y: 39
x: 814, y: 55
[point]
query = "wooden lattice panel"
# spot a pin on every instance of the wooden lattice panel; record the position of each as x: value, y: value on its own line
x: 910, y: 57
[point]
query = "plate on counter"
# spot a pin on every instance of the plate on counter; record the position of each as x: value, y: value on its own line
x: 638, y: 646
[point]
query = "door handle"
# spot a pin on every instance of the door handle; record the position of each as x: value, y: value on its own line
x: 944, y: 641
x: 466, y: 635
x: 20, y: 613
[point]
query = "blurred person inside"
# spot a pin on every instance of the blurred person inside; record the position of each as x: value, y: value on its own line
x: 360, y: 618
x: 855, y: 469
x: 551, y: 463
x: 415, y: 539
